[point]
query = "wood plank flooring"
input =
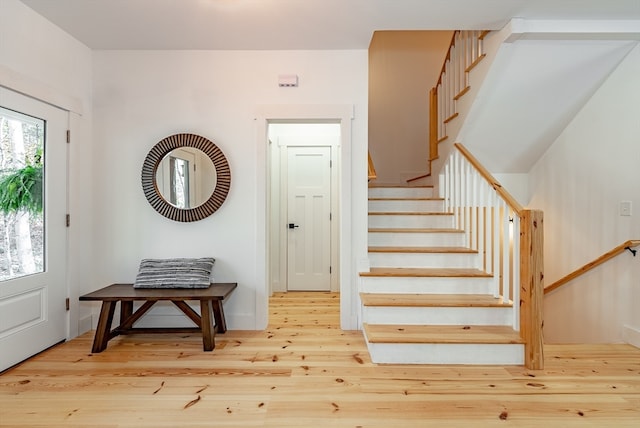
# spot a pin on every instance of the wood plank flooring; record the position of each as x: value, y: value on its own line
x: 303, y: 371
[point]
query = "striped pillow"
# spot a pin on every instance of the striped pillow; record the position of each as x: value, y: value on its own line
x: 174, y: 273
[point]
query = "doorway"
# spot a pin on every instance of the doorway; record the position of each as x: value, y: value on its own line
x: 304, y: 207
x: 268, y: 116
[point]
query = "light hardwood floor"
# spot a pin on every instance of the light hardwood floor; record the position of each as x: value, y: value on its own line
x: 303, y: 371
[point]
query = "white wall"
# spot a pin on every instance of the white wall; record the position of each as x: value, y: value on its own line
x: 403, y: 67
x: 48, y: 64
x: 516, y: 184
x: 143, y: 96
x: 579, y: 182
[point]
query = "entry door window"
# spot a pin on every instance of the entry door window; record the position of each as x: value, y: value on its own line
x: 21, y: 194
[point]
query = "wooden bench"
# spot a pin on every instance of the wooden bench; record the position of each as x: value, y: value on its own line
x: 210, y: 309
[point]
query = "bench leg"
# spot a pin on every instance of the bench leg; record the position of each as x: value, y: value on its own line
x: 126, y: 310
x: 218, y: 313
x: 103, y: 331
x: 208, y: 331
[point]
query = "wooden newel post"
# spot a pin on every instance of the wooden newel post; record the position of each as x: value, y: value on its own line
x: 532, y: 287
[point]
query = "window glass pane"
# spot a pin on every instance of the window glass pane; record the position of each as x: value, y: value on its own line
x: 21, y: 194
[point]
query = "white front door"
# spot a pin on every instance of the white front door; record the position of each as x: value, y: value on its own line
x: 33, y: 245
x: 309, y: 221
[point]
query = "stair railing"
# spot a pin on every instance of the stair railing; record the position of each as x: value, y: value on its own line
x: 508, y: 239
x: 371, y: 170
x: 465, y: 52
x: 625, y: 246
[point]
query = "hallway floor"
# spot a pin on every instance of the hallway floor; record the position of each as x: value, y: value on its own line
x: 303, y: 371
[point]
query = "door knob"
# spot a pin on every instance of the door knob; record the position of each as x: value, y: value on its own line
x: 291, y: 225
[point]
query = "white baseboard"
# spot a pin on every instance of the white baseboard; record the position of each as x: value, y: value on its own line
x: 631, y: 335
x: 234, y: 322
x: 85, y: 324
x: 165, y: 314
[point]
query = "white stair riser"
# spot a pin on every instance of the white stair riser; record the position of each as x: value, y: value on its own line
x: 411, y: 221
x: 400, y: 192
x: 424, y: 260
x: 403, y: 206
x: 416, y: 239
x: 442, y: 353
x: 434, y: 285
x: 437, y: 315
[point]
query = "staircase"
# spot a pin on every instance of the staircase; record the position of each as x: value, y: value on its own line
x: 426, y: 298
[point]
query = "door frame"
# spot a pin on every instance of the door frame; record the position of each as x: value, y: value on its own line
x: 335, y: 210
x: 342, y: 114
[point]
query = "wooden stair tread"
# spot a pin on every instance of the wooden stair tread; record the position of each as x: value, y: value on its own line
x: 427, y: 272
x: 411, y: 230
x: 448, y: 334
x: 454, y: 250
x: 398, y: 186
x: 410, y: 213
x: 405, y: 198
x: 433, y: 300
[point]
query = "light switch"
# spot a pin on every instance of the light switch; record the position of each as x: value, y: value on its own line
x: 625, y: 208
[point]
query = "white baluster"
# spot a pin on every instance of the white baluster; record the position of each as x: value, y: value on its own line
x: 506, y: 253
x: 495, y: 242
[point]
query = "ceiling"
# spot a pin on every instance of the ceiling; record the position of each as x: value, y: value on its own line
x: 536, y: 86
x: 294, y: 24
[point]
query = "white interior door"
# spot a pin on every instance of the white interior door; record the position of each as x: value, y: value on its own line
x: 33, y: 260
x: 309, y: 221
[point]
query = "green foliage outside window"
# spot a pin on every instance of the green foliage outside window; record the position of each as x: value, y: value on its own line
x: 21, y: 189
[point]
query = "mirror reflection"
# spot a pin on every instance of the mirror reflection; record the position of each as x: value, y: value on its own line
x: 186, y: 177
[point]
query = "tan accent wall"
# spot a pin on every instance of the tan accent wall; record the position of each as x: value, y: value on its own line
x: 403, y: 67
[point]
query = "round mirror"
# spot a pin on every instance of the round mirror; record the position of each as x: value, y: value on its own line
x: 186, y: 177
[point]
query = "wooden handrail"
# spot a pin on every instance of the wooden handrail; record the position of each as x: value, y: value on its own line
x: 418, y: 177
x: 510, y: 200
x: 603, y: 258
x: 448, y: 57
x: 372, y: 170
x: 465, y: 51
x: 433, y: 124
